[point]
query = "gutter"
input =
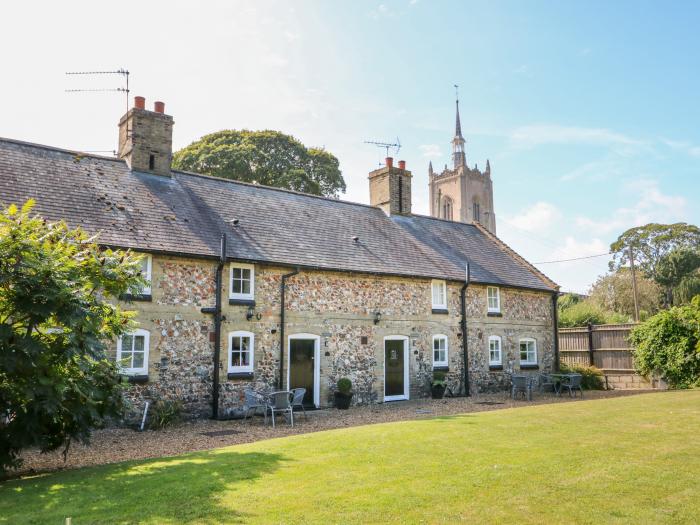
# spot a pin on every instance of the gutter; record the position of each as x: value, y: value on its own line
x: 465, y: 342
x: 282, y: 307
x: 555, y: 317
x: 216, y: 311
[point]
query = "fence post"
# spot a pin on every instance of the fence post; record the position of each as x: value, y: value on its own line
x: 590, y: 344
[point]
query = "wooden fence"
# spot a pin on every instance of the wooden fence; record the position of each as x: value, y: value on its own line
x: 604, y: 346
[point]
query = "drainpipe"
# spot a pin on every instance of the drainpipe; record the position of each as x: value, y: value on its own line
x: 282, y: 289
x: 465, y: 342
x: 216, y: 311
x: 555, y: 316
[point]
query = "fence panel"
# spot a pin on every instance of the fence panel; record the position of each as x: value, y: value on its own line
x: 606, y: 345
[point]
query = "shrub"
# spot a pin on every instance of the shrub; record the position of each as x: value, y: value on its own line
x: 593, y: 378
x: 669, y: 343
x: 438, y: 378
x: 165, y: 412
x: 344, y: 385
x: 585, y: 312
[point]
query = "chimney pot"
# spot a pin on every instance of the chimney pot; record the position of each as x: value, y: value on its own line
x: 139, y: 102
x: 402, y: 164
x: 389, y: 162
x: 159, y: 107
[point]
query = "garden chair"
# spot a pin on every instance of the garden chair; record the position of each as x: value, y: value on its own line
x: 298, y: 399
x: 252, y: 402
x: 572, y: 383
x: 521, y: 384
x: 545, y: 380
x: 281, y: 402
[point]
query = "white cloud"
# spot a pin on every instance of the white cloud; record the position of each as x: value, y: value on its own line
x: 652, y: 205
x: 686, y: 147
x: 531, y: 136
x: 430, y: 150
x: 537, y: 218
x: 380, y: 12
x: 596, y: 170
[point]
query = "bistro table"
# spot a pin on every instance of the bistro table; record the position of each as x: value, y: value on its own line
x: 558, y: 379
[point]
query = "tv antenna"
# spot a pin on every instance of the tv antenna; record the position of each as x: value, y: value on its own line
x: 386, y: 146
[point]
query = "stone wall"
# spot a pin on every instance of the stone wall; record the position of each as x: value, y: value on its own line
x: 340, y: 309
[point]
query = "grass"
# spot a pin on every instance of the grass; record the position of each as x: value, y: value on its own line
x: 623, y: 460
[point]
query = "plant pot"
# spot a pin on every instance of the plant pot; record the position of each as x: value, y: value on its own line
x: 437, y: 391
x: 342, y: 401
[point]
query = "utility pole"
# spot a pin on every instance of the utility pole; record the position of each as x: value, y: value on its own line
x: 634, y: 286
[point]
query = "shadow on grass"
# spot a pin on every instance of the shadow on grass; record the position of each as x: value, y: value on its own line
x: 199, y: 487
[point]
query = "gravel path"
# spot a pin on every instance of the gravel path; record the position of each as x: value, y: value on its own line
x: 119, y: 444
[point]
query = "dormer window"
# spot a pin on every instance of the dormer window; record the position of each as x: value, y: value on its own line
x: 439, y: 292
x: 493, y: 298
x: 242, y: 284
x: 143, y: 292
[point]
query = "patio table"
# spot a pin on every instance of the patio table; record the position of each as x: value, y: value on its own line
x: 558, y: 379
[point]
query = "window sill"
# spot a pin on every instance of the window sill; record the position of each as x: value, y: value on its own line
x: 136, y: 297
x: 495, y: 367
x: 242, y: 302
x: 240, y: 375
x: 494, y: 314
x: 136, y: 379
x: 441, y: 368
x: 529, y: 367
x: 440, y: 311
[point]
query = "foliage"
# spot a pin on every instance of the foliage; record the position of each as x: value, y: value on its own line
x: 263, y: 157
x: 678, y: 267
x: 438, y: 378
x: 585, y: 312
x: 546, y: 456
x: 688, y: 288
x: 669, y: 344
x: 164, y: 412
x: 344, y: 385
x: 613, y: 293
x: 592, y: 377
x: 55, y: 318
x: 567, y: 300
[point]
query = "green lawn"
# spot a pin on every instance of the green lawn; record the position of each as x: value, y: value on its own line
x: 624, y: 460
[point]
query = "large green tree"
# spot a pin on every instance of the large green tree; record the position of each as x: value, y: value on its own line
x: 263, y: 157
x: 613, y: 292
x: 677, y: 273
x: 57, y: 314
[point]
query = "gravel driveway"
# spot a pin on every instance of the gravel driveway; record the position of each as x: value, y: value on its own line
x: 120, y: 444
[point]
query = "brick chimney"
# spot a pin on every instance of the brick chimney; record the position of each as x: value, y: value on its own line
x: 146, y: 138
x: 390, y: 188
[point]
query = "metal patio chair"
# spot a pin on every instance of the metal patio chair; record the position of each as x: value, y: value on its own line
x: 252, y: 402
x: 545, y: 380
x: 281, y: 402
x: 298, y: 399
x: 572, y: 383
x: 521, y: 385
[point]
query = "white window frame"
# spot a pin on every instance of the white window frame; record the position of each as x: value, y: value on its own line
x: 441, y: 337
x: 145, y: 290
x: 146, y: 345
x: 534, y: 347
x: 497, y: 308
x: 240, y: 369
x: 496, y: 339
x: 443, y: 284
x: 242, y: 296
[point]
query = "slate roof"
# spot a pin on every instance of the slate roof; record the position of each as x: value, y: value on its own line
x: 185, y: 215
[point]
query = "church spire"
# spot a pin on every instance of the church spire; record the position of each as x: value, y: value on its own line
x: 458, y: 156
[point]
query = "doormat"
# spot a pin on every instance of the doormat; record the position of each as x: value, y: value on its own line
x: 489, y: 403
x: 220, y: 433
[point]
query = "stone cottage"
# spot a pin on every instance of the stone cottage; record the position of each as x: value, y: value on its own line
x: 253, y: 286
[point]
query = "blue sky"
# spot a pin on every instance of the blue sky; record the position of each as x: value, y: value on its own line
x: 587, y: 110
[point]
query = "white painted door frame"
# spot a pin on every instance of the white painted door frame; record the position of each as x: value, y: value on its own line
x: 317, y: 362
x: 403, y: 338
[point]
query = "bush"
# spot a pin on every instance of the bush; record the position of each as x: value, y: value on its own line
x: 593, y: 378
x: 165, y: 412
x: 438, y: 378
x: 585, y: 312
x: 344, y: 385
x: 669, y: 344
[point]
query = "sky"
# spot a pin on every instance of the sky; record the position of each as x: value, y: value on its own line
x: 587, y: 111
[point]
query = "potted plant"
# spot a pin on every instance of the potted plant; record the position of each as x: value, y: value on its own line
x: 438, y: 385
x: 343, y: 393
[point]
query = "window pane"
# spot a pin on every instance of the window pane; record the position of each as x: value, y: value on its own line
x: 245, y: 287
x: 139, y: 343
x: 236, y: 359
x: 245, y: 359
x: 236, y: 344
x: 237, y: 273
x: 144, y: 266
x: 138, y: 360
x: 127, y: 343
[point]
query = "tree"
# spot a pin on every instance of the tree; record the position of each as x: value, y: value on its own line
x: 613, y: 292
x: 586, y: 312
x: 263, y: 157
x: 652, y: 242
x: 669, y: 344
x: 56, y: 318
x: 676, y: 268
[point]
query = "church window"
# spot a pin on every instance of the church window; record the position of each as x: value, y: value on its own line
x: 476, y: 212
x: 447, y: 209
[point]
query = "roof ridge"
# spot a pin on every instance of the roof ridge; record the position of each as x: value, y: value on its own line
x: 60, y: 150
x: 516, y: 256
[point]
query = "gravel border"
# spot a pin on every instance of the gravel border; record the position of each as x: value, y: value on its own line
x: 120, y: 444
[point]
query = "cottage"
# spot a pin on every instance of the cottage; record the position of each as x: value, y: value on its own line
x: 306, y: 290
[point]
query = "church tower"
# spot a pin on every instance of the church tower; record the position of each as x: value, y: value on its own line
x: 462, y: 193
